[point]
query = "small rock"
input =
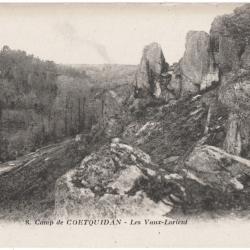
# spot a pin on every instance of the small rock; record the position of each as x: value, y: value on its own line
x: 173, y: 177
x: 170, y: 159
x: 237, y: 185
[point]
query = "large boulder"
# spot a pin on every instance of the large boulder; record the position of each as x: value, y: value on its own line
x: 217, y: 169
x: 151, y: 70
x: 109, y: 183
x: 215, y: 181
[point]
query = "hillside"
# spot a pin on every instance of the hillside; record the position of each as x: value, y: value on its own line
x: 153, y: 140
x: 42, y: 102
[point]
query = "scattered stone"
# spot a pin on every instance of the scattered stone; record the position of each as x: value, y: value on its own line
x: 171, y: 159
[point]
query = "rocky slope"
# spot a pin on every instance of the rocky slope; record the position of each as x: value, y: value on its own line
x: 191, y: 122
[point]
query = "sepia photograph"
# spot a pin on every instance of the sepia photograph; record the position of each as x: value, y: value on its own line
x: 124, y: 115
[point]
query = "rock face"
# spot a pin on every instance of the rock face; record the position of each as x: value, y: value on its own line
x: 109, y: 184
x: 149, y: 78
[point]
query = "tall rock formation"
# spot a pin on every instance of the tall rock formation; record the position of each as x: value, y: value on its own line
x: 221, y: 57
x: 149, y: 76
x: 197, y: 67
x: 196, y: 71
x: 195, y: 62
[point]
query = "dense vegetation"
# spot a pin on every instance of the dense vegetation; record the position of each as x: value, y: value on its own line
x: 42, y: 102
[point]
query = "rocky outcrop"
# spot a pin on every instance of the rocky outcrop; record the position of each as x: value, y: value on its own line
x: 110, y: 183
x: 196, y: 71
x: 151, y: 72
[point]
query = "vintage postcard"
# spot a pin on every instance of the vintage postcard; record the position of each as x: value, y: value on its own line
x: 125, y: 125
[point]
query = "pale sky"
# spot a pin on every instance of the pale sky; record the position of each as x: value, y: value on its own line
x: 95, y: 34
